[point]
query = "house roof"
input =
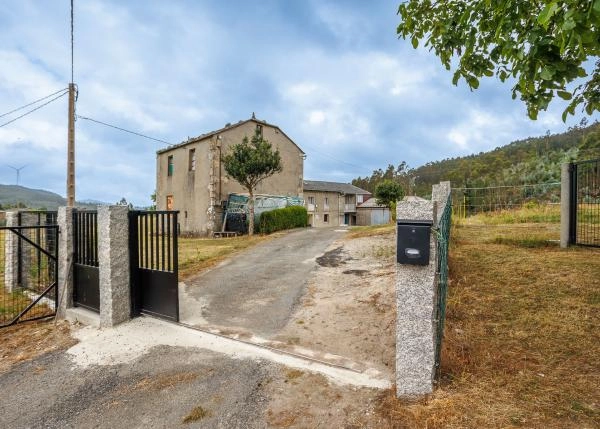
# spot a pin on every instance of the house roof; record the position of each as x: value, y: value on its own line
x: 371, y: 203
x: 342, y: 188
x: 221, y: 130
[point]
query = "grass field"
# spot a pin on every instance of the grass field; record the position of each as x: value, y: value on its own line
x: 522, y: 335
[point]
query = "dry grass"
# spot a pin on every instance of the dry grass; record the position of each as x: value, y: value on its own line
x: 369, y: 231
x: 197, y: 254
x: 197, y: 413
x: 522, y: 337
x: 26, y: 341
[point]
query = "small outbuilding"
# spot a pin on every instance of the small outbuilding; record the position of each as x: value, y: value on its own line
x: 371, y: 213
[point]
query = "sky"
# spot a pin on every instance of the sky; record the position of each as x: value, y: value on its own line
x: 332, y: 74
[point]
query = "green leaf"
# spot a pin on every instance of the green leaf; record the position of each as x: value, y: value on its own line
x: 415, y: 42
x: 473, y: 82
x: 456, y: 77
x: 547, y: 13
x: 569, y: 24
x: 547, y: 73
x: 565, y: 95
x: 597, y: 6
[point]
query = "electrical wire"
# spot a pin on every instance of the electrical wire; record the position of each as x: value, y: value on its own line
x: 123, y: 129
x: 33, y: 102
x: 33, y: 110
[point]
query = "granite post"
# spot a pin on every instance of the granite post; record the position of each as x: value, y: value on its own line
x: 65, y: 261
x: 416, y: 298
x: 11, y: 243
x: 113, y: 259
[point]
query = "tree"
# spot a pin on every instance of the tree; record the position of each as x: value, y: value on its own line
x: 543, y: 44
x: 388, y: 192
x: 249, y: 163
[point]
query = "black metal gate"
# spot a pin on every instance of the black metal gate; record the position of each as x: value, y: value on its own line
x: 28, y: 272
x: 584, y: 226
x: 154, y: 266
x: 86, y: 279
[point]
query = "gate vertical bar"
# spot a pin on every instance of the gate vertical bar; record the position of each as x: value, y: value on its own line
x: 573, y: 204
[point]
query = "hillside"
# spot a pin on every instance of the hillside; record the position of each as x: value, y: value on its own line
x: 528, y: 161
x: 13, y: 195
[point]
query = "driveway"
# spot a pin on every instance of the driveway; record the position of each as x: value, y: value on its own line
x: 256, y: 291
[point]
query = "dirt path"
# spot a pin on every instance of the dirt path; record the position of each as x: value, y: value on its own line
x: 124, y: 377
x: 255, y: 292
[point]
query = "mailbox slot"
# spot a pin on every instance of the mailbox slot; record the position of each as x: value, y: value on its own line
x: 413, y: 237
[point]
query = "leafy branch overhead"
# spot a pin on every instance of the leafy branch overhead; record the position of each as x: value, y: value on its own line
x: 544, y: 45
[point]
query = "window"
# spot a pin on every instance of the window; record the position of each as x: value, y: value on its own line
x: 311, y: 200
x: 259, y: 130
x: 192, y: 163
x: 349, y: 199
x: 326, y: 204
x: 170, y: 165
x: 169, y: 202
x: 359, y: 199
x: 325, y: 218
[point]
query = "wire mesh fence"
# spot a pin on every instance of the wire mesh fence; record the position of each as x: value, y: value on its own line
x: 443, y: 241
x: 28, y: 273
x: 471, y: 201
x: 28, y: 267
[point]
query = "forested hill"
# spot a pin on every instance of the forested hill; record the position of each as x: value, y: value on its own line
x: 529, y: 161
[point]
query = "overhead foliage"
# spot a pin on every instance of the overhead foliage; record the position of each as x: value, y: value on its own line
x: 249, y: 163
x: 544, y: 45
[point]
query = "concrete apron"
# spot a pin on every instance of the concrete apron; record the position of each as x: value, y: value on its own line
x: 126, y: 342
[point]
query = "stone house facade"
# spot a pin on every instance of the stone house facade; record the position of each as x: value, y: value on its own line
x: 190, y: 176
x: 332, y: 203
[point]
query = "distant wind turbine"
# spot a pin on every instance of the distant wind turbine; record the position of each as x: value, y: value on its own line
x: 18, y: 171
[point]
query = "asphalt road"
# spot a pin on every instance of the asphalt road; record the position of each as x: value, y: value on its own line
x: 157, y: 390
x: 258, y: 289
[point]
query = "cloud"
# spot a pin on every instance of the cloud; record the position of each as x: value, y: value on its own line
x: 332, y: 75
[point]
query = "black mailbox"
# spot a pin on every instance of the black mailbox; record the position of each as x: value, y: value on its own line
x: 413, y: 242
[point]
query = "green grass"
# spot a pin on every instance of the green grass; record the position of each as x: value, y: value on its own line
x: 529, y: 213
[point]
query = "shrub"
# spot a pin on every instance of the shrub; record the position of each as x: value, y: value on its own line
x: 284, y: 218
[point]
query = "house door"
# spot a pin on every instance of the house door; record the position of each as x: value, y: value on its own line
x: 346, y: 219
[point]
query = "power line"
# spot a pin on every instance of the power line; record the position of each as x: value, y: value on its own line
x: 33, y: 102
x: 33, y: 110
x: 123, y: 129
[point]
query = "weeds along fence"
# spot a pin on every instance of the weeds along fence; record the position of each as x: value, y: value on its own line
x: 471, y: 201
x: 28, y: 267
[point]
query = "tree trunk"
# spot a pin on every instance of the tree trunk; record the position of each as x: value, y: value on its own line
x: 251, y: 213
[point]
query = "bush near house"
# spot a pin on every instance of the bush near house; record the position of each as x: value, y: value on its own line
x: 284, y: 218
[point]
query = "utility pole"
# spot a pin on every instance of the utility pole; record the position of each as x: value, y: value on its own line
x: 71, y: 132
x: 71, y: 149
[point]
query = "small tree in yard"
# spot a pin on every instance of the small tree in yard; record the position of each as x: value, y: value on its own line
x: 248, y: 163
x: 387, y: 193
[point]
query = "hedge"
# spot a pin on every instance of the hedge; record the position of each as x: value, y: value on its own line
x: 284, y: 218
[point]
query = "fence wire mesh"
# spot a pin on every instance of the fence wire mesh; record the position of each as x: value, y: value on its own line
x: 472, y: 201
x: 443, y: 241
x: 28, y: 273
